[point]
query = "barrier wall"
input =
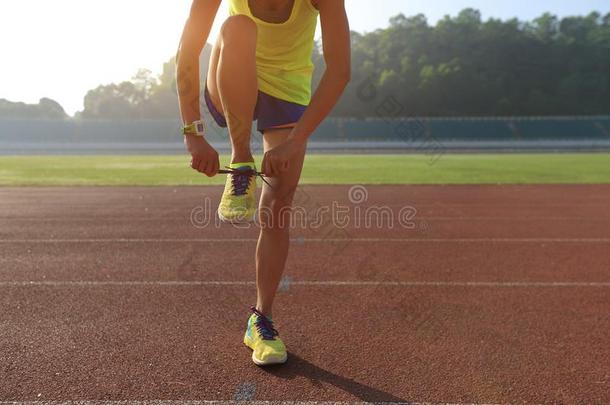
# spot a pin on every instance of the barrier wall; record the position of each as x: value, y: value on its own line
x: 19, y: 134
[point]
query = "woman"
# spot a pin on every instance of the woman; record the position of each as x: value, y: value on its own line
x: 261, y: 70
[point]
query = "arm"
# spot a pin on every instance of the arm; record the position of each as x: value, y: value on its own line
x: 195, y: 34
x: 337, y: 54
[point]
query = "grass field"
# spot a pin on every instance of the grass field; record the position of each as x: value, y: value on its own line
x: 319, y: 169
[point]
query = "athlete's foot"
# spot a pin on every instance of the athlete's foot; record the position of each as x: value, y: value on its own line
x: 264, y: 340
x: 238, y: 202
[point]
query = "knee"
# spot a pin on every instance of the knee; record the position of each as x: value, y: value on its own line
x: 238, y: 29
x: 275, y: 214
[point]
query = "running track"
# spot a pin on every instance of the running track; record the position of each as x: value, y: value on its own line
x: 499, y: 294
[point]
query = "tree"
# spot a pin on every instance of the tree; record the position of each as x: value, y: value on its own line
x: 46, y: 108
x: 460, y: 66
x: 143, y: 97
x: 466, y: 66
x: 545, y: 28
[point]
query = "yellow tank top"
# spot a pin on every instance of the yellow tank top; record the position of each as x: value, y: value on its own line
x: 283, y: 51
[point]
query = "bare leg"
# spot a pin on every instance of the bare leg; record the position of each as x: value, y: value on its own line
x: 232, y: 81
x: 274, y: 239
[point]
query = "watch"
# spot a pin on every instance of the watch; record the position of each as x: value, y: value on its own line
x: 194, y: 128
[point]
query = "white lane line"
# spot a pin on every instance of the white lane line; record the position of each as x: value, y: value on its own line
x: 176, y: 402
x: 329, y: 283
x: 312, y: 240
x: 178, y: 219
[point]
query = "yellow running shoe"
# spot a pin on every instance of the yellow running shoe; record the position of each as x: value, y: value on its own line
x: 263, y: 339
x: 238, y: 202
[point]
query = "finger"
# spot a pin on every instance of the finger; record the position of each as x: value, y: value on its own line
x: 264, y: 166
x: 209, y: 168
x: 284, y: 166
x: 267, y: 166
x: 204, y: 166
x: 272, y: 168
x: 199, y: 167
x: 215, y: 167
x: 195, y: 163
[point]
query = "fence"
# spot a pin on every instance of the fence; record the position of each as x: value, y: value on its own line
x: 163, y: 136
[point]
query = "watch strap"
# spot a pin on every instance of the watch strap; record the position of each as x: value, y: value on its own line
x: 194, y: 128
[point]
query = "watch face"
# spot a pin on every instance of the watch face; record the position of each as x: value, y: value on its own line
x: 200, y: 128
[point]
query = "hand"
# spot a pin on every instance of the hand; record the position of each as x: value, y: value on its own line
x: 277, y: 160
x: 204, y: 158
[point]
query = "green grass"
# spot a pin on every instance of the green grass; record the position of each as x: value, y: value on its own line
x: 319, y: 169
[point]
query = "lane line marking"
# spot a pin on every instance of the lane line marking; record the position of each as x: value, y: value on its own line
x: 313, y: 240
x: 189, y: 402
x: 427, y: 218
x: 329, y: 283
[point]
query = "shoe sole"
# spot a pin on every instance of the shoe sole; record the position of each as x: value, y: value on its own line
x: 270, y: 362
x: 235, y: 221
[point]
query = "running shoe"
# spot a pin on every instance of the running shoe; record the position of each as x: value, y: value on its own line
x: 263, y: 339
x: 238, y: 202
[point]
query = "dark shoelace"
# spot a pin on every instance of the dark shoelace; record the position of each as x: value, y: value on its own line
x: 241, y: 177
x: 264, y: 325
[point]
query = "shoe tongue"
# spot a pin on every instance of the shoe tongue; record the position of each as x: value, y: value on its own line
x: 249, y: 165
x: 254, y: 317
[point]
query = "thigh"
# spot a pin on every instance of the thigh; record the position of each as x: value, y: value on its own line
x: 283, y: 186
x: 211, y: 82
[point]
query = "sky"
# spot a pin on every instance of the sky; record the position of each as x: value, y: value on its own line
x: 62, y: 48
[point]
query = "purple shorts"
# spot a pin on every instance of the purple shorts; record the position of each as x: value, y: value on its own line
x: 269, y: 112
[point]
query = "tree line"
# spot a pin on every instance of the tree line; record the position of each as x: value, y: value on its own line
x: 46, y: 108
x: 466, y: 66
x: 461, y: 66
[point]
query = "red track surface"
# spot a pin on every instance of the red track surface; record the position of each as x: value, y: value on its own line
x: 104, y: 320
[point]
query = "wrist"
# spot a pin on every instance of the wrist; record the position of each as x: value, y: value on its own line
x: 189, y: 138
x: 188, y: 118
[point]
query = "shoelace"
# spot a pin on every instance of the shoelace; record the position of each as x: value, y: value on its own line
x: 240, y: 179
x: 264, y: 325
